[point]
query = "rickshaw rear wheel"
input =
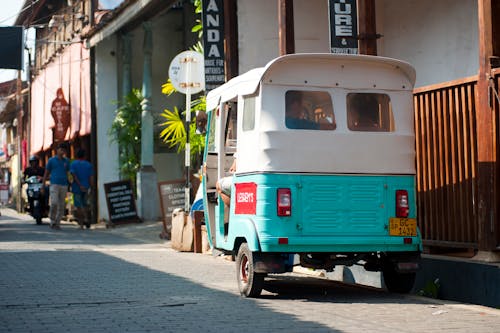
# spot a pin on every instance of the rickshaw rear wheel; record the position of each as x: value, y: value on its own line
x: 397, y: 282
x: 250, y: 283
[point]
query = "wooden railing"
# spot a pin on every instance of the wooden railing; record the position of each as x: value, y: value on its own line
x: 447, y: 163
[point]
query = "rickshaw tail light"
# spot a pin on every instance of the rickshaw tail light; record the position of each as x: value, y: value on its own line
x: 284, y: 202
x: 283, y: 240
x: 402, y: 208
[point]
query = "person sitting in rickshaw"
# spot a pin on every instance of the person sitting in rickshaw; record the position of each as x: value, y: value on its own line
x: 298, y: 116
x: 223, y: 185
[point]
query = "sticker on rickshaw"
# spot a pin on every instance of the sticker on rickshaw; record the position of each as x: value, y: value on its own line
x: 246, y: 198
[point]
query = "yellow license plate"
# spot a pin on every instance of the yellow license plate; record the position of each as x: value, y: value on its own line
x: 402, y: 227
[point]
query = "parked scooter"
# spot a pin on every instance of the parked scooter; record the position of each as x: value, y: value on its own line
x: 36, y: 200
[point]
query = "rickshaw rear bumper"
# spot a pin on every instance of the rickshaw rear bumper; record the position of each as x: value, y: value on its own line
x: 340, y: 244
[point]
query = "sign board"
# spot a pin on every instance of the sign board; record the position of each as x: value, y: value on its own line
x: 343, y: 26
x: 172, y: 196
x: 186, y: 71
x: 213, y: 43
x: 121, y: 202
x: 12, y: 41
x: 62, y: 117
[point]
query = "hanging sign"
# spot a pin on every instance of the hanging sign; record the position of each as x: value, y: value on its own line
x: 343, y: 26
x: 213, y: 43
x: 62, y: 117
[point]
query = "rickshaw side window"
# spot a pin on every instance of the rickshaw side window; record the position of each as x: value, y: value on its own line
x: 248, y: 113
x: 231, y: 129
x: 211, y: 133
x: 312, y: 110
x: 369, y: 112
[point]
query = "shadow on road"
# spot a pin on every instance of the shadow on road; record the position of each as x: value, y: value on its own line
x: 322, y: 290
x: 40, y: 288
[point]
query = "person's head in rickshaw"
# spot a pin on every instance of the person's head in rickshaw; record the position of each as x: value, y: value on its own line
x: 309, y: 110
x: 294, y: 107
x: 297, y: 116
x: 201, y: 122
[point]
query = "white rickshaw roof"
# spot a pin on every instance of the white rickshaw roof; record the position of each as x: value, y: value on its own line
x: 249, y: 82
x: 271, y: 147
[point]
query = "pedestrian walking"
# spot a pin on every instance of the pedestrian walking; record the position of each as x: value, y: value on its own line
x: 57, y: 168
x: 83, y: 178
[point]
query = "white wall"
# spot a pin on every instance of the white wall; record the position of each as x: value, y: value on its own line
x: 258, y: 30
x: 438, y: 37
x: 106, y: 93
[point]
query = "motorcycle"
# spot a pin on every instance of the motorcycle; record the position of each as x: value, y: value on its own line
x: 36, y: 200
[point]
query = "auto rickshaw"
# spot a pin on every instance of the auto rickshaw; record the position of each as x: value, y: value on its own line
x: 325, y: 171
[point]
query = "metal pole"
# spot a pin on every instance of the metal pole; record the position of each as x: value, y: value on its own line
x: 187, y: 161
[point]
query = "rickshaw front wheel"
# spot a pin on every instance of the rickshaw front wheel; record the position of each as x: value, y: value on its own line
x: 250, y: 283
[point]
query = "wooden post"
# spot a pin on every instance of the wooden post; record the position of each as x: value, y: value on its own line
x: 231, y: 40
x: 19, y: 100
x: 367, y: 27
x: 485, y: 128
x: 198, y: 219
x: 286, y: 27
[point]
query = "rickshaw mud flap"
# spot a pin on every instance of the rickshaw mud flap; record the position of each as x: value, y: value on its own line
x: 268, y: 263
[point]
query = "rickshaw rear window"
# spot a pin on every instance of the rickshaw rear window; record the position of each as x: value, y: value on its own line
x: 248, y: 113
x: 311, y: 110
x: 369, y: 112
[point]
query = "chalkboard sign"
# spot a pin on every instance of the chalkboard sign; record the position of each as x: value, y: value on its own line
x: 171, y: 197
x: 121, y: 202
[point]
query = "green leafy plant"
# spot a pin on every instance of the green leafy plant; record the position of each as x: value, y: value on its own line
x: 198, y: 27
x: 126, y: 132
x: 431, y: 289
x: 174, y: 129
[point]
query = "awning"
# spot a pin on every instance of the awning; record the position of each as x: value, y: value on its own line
x: 125, y: 15
x: 71, y: 72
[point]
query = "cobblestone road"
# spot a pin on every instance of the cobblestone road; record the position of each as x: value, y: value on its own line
x: 128, y: 280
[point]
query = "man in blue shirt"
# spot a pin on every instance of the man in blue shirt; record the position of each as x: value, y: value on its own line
x: 83, y: 177
x: 57, y: 168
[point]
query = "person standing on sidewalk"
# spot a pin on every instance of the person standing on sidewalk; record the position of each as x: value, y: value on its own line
x: 57, y: 168
x: 83, y: 178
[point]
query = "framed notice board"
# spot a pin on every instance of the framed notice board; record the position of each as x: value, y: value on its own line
x: 172, y: 196
x: 121, y: 202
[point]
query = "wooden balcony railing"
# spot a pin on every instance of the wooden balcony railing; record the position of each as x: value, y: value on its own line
x: 447, y: 163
